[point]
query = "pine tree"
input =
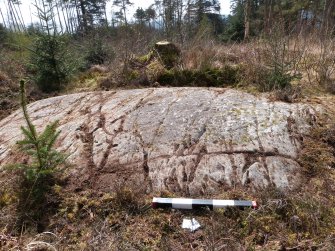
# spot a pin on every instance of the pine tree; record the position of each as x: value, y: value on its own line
x: 49, y: 59
x: 140, y: 15
x: 150, y: 15
x: 235, y: 27
x: 90, y: 13
x: 123, y: 5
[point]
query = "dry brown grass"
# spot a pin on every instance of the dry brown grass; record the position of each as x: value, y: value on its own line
x: 122, y: 220
x: 318, y: 149
x: 309, y: 60
x: 8, y: 95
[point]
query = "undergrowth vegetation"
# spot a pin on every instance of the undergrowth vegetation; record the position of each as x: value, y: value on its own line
x: 123, y: 220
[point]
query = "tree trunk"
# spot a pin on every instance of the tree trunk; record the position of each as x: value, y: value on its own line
x: 19, y: 15
x: 3, y: 18
x: 180, y: 20
x: 84, y: 15
x: 266, y: 15
x: 13, y: 17
x: 124, y: 8
x: 247, y: 19
x: 327, y: 21
x: 59, y: 19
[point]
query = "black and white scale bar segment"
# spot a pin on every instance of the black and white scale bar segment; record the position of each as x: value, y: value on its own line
x: 180, y: 203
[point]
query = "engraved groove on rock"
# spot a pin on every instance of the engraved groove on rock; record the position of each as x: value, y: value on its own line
x: 135, y: 107
x: 145, y: 166
x: 111, y: 144
x: 205, y: 153
x: 88, y: 140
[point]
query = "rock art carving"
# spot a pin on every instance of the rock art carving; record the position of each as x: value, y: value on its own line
x: 186, y: 140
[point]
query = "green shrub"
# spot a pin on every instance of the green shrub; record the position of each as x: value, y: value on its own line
x: 38, y: 176
x: 281, y: 56
x: 50, y: 62
x: 276, y: 79
x: 98, y: 53
x: 209, y: 77
x: 3, y: 34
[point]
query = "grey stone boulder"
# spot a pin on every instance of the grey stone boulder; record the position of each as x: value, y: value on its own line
x: 186, y: 140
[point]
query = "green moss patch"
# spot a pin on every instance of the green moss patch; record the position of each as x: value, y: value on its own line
x: 227, y: 76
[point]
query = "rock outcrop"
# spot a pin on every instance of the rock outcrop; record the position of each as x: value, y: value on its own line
x: 187, y: 140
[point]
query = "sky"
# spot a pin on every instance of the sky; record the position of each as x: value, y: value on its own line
x: 27, y: 8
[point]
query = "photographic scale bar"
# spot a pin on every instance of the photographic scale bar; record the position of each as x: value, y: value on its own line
x: 180, y: 203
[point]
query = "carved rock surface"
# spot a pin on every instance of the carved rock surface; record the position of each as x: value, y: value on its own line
x: 187, y: 140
